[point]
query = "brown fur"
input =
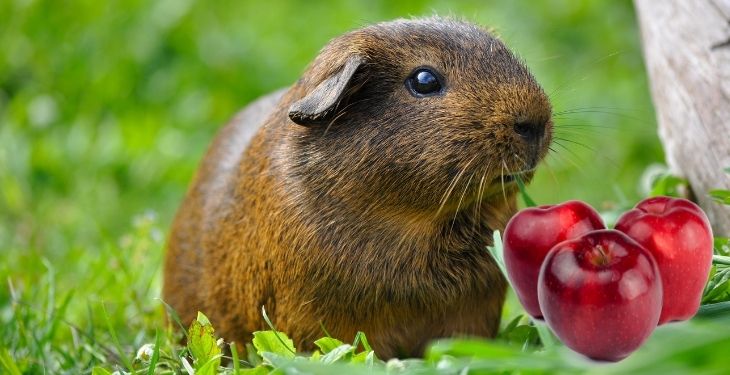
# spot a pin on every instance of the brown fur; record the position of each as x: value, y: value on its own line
x: 371, y: 212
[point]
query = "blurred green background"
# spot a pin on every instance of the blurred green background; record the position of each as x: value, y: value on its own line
x: 107, y: 106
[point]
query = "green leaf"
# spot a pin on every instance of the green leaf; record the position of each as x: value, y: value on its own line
x: 96, y: 371
x: 366, y: 357
x: 235, y: 360
x: 202, y: 345
x: 125, y: 360
x: 718, y: 288
x: 721, y: 196
x: 273, y: 342
x: 341, y: 352
x: 258, y: 370
x: 721, y: 259
x: 722, y: 246
x: 669, y: 185
x: 274, y: 330
x: 713, y: 310
x: 497, y: 252
x: 360, y: 338
x: 210, y: 367
x: 155, y: 354
x: 277, y: 360
x: 547, y: 337
x: 202, y: 319
x: 7, y: 362
x: 523, y: 193
x: 252, y: 356
x: 327, y: 344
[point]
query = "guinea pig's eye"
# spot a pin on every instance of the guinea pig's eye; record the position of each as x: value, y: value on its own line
x: 424, y: 82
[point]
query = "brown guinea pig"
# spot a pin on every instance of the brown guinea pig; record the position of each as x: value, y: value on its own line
x: 362, y: 198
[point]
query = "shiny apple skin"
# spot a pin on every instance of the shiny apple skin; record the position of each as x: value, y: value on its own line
x: 678, y: 234
x: 601, y: 294
x: 531, y: 233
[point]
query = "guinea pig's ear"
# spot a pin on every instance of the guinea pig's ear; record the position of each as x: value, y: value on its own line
x: 320, y: 104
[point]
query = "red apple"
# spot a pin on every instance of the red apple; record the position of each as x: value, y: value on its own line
x: 678, y: 235
x: 531, y: 233
x: 601, y: 294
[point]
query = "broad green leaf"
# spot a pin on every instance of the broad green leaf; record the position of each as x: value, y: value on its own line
x: 202, y: 344
x: 367, y: 358
x: 722, y: 246
x: 96, y: 371
x: 267, y: 341
x: 668, y: 185
x: 277, y: 360
x: 202, y: 319
x: 338, y: 353
x: 497, y: 252
x: 9, y: 365
x: 258, y: 370
x: 210, y: 367
x: 327, y: 344
x: 547, y: 337
x: 721, y: 196
x: 511, y: 325
x: 252, y: 356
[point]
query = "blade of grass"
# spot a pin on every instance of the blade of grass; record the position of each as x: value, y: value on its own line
x: 57, y: 316
x: 523, y: 192
x: 547, y: 337
x: 176, y: 318
x: 8, y: 363
x: 127, y: 363
x: 276, y: 333
x: 236, y: 363
x: 155, y: 355
x: 361, y: 338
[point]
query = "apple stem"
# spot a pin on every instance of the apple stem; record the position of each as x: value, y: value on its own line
x: 601, y: 257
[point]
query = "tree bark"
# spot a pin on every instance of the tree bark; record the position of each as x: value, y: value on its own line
x: 687, y: 53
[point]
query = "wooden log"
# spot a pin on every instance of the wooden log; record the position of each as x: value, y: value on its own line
x: 687, y: 53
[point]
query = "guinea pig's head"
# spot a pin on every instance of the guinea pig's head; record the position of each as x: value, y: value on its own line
x: 428, y: 115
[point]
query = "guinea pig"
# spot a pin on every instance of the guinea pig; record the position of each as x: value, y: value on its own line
x: 363, y: 197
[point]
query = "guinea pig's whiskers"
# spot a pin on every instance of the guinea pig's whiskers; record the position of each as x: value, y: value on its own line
x: 501, y: 176
x: 613, y: 111
x: 480, y: 195
x: 575, y: 143
x: 552, y: 174
x: 560, y: 88
x: 558, y: 139
x: 565, y: 158
x: 466, y: 187
x: 452, y: 185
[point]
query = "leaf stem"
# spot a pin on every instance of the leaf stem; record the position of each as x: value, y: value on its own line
x: 721, y: 259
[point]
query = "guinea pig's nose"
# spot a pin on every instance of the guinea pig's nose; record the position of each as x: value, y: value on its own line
x: 530, y: 131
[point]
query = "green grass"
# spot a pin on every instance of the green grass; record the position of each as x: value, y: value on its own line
x: 106, y: 108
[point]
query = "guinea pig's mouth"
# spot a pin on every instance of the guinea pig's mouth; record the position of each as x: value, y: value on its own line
x: 508, y: 178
